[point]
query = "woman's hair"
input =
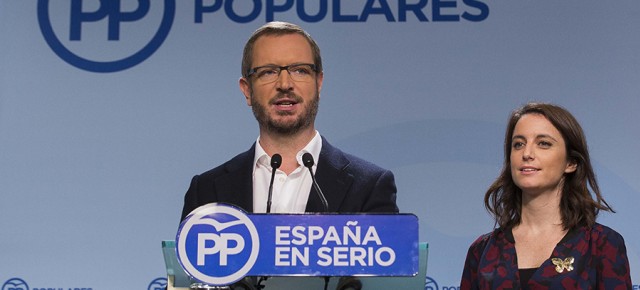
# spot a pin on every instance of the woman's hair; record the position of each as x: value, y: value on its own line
x: 503, y: 199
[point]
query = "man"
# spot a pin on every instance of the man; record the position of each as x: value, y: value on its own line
x: 281, y: 81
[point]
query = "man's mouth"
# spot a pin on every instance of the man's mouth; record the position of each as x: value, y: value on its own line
x: 285, y: 103
x: 286, y: 100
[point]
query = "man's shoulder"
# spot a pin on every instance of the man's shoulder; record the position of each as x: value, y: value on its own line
x: 238, y: 162
x: 343, y: 160
x: 362, y: 164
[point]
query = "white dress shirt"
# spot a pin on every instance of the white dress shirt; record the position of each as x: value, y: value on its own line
x: 290, y: 192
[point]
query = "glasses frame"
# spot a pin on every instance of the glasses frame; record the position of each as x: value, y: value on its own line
x: 254, y: 70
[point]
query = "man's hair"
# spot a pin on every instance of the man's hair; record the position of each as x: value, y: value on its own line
x: 503, y: 199
x: 278, y: 28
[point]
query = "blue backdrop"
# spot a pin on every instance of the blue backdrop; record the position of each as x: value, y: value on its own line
x: 102, y: 127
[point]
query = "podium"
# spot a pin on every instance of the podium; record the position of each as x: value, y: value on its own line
x: 220, y: 244
x: 177, y: 279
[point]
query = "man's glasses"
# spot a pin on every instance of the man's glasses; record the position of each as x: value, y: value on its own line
x: 302, y: 72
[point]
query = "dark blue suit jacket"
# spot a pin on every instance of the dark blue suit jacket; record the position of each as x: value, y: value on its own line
x: 349, y: 183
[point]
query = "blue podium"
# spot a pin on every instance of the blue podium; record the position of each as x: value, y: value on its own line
x: 218, y: 245
x: 177, y: 279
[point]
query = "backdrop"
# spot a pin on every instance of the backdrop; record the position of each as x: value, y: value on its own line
x: 108, y: 108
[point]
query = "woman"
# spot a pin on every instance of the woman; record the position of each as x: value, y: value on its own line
x: 548, y: 237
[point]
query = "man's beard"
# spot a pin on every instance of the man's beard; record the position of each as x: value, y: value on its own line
x: 305, y: 120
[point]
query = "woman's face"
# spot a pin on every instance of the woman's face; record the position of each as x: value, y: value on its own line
x: 538, y: 156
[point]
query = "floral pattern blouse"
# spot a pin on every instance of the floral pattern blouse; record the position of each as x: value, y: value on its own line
x: 586, y: 258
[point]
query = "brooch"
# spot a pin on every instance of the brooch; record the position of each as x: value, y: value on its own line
x: 567, y: 263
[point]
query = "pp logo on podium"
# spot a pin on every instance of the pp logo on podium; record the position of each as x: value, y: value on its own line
x: 217, y: 244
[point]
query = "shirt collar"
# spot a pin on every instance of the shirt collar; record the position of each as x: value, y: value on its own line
x: 261, y: 158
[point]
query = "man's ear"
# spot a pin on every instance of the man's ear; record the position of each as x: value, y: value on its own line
x: 245, y: 87
x: 319, y: 80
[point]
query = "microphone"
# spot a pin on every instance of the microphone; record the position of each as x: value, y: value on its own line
x: 349, y: 283
x: 276, y: 161
x: 307, y: 159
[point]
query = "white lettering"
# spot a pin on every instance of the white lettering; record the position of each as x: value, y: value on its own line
x: 332, y: 236
x: 390, y: 252
x: 203, y: 251
x: 371, y: 236
x: 224, y: 252
x: 355, y: 256
x: 297, y: 255
x: 298, y: 233
x: 315, y: 233
x: 282, y: 256
x: 220, y: 245
x: 340, y: 256
x: 349, y: 235
x: 325, y: 257
x: 282, y: 235
x: 286, y: 256
x: 358, y: 255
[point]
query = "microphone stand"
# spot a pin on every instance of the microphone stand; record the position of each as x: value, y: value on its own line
x: 276, y: 161
x: 307, y: 159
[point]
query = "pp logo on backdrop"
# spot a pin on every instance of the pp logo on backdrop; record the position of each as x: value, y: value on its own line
x: 93, y: 39
x: 158, y: 284
x: 15, y: 284
x: 218, y: 244
x: 431, y: 284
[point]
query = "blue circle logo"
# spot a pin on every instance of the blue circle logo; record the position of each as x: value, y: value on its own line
x: 217, y: 244
x: 158, y: 284
x: 430, y: 284
x: 110, y: 12
x: 15, y: 284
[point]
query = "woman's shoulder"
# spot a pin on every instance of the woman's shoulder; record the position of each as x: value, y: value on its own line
x: 601, y: 234
x: 604, y: 231
x: 484, y: 239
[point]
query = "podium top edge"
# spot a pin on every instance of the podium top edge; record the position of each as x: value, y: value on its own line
x: 172, y: 244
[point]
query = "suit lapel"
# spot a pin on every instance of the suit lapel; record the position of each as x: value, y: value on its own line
x: 332, y: 178
x: 236, y: 187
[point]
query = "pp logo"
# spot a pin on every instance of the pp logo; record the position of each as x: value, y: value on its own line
x: 158, y: 284
x: 15, y: 284
x: 430, y: 284
x: 217, y: 244
x: 95, y: 31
